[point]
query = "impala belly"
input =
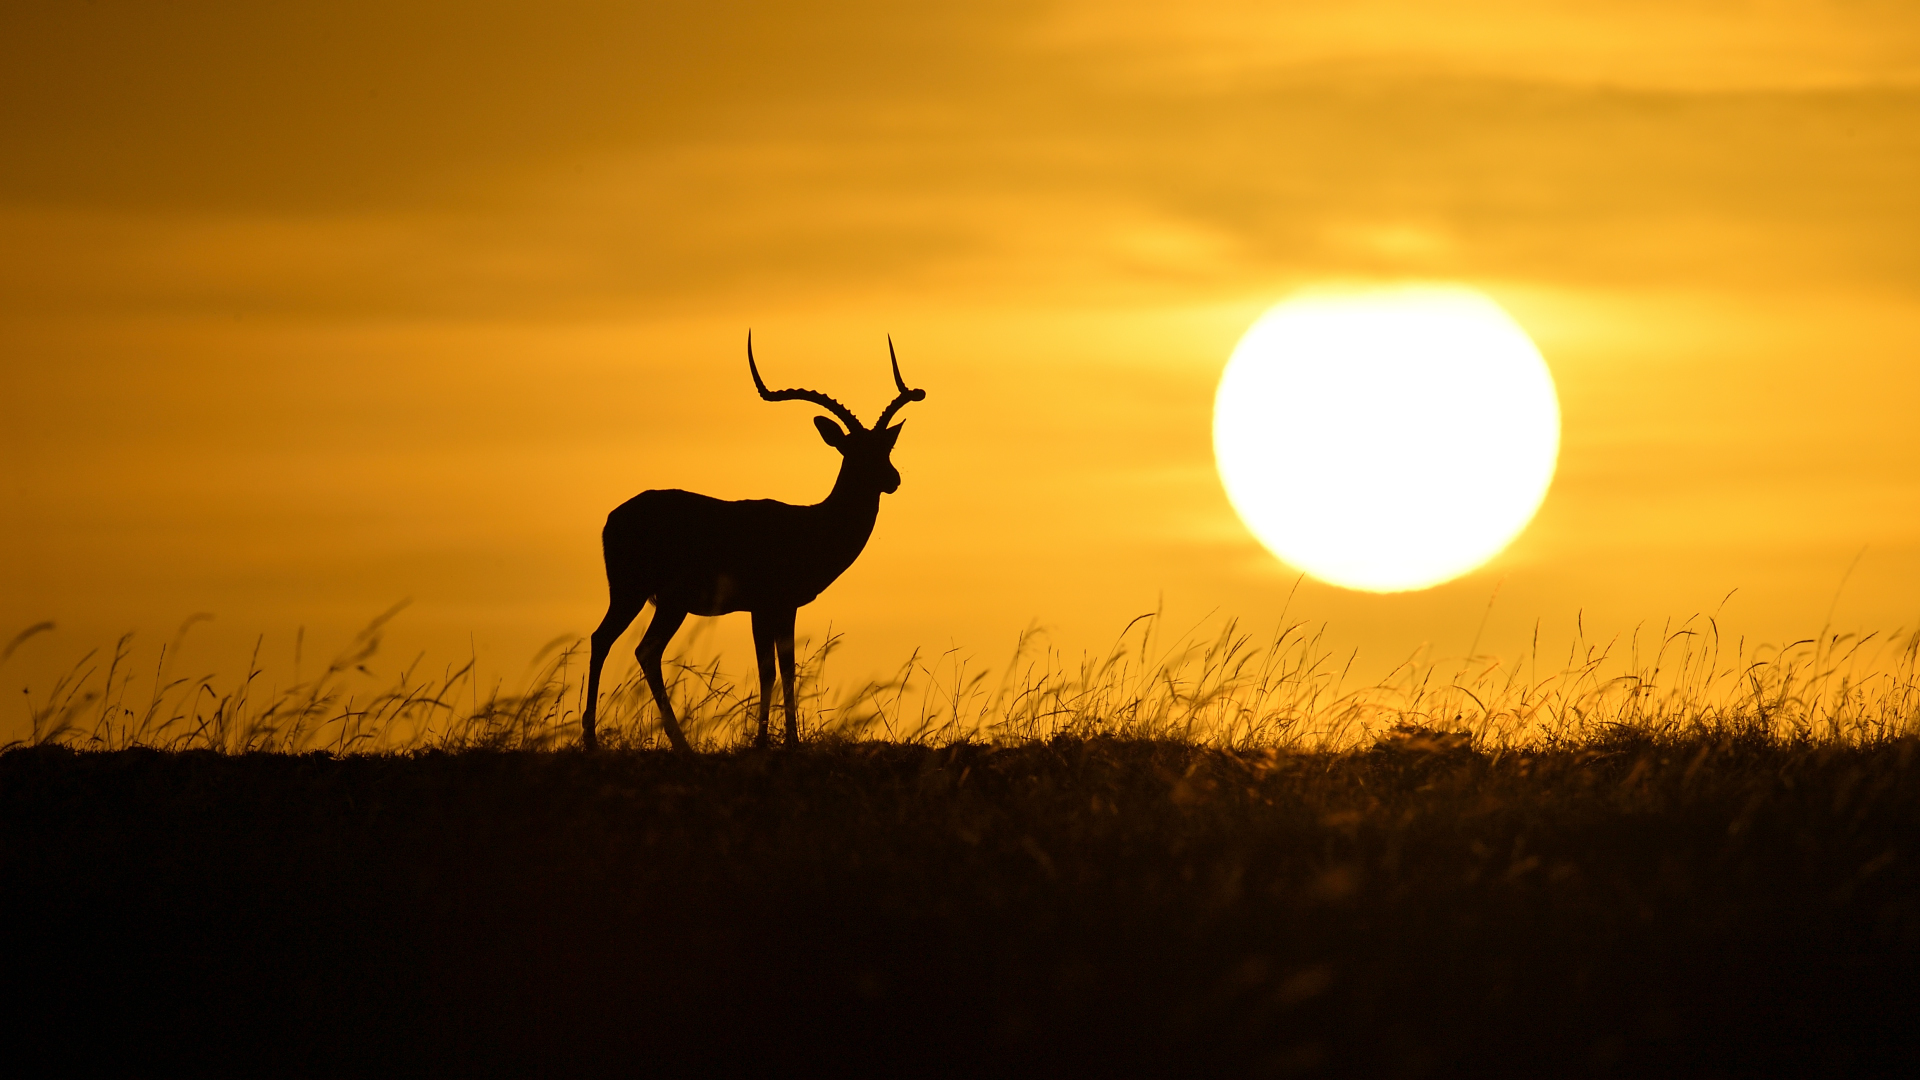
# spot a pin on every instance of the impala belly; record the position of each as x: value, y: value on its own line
x: 709, y: 556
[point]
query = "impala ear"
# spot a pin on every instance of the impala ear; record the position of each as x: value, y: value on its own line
x: 892, y: 434
x: 831, y: 432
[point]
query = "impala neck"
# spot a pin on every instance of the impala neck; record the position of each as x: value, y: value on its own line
x: 852, y: 507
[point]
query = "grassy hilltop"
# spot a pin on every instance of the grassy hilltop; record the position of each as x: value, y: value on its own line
x: 1209, y: 859
x: 1707, y: 903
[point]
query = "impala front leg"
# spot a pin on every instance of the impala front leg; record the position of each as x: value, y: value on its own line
x: 783, y: 644
x: 764, y: 633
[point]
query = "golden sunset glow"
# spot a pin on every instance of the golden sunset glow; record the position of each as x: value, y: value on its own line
x: 312, y: 309
x: 1388, y: 439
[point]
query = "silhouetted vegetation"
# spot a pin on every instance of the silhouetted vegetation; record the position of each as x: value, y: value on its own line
x: 1228, y: 690
x: 1715, y: 903
x: 1716, y: 890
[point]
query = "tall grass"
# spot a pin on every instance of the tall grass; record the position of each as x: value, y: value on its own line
x: 1231, y: 689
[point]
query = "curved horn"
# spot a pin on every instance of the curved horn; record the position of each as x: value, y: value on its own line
x: 906, y: 395
x: 845, y: 414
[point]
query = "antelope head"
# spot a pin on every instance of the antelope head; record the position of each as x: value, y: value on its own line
x: 868, y: 452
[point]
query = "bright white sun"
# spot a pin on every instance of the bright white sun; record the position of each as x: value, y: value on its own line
x: 1386, y: 439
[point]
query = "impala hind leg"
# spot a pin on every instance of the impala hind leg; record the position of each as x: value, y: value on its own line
x: 620, y: 613
x: 653, y: 646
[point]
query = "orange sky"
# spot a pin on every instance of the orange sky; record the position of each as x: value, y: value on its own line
x: 311, y: 308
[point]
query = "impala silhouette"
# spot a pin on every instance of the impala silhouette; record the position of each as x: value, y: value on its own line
x: 694, y: 555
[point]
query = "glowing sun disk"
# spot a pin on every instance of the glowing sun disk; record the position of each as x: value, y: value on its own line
x: 1386, y: 439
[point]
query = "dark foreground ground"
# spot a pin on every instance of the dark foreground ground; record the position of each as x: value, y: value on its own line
x: 1704, y: 907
